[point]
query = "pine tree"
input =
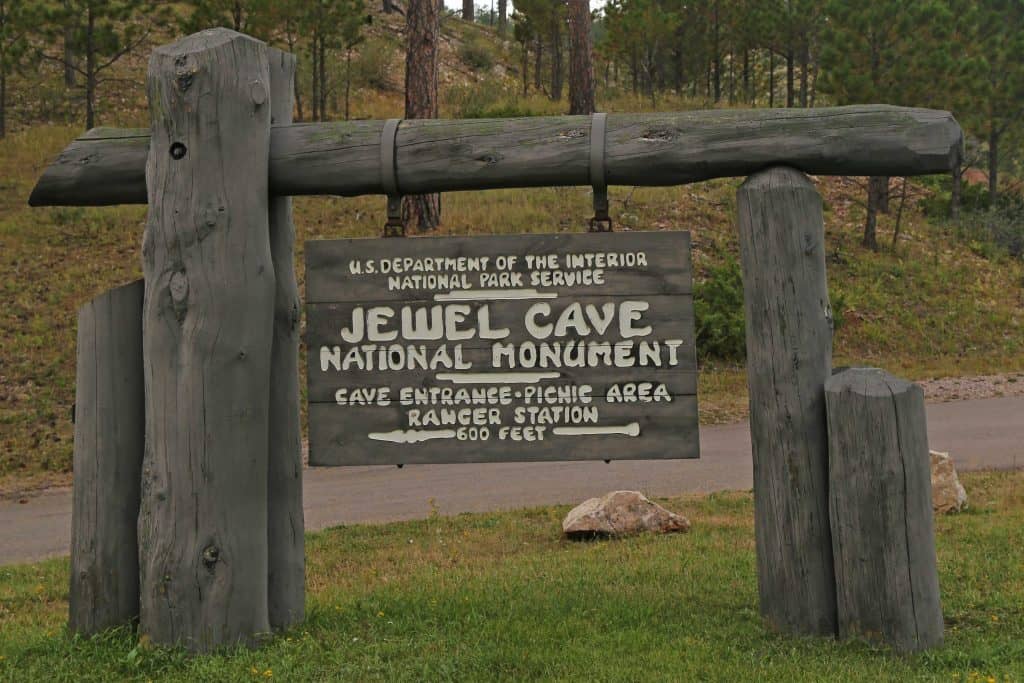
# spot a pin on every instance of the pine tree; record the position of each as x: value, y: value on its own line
x: 16, y: 20
x: 423, y: 28
x: 581, y: 62
x: 992, y: 39
x: 104, y: 32
x: 867, y: 58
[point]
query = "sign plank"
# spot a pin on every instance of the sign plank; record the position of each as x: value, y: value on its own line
x: 499, y: 349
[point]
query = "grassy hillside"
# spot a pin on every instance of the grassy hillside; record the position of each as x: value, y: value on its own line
x: 943, y: 301
x: 936, y: 305
x: 501, y: 597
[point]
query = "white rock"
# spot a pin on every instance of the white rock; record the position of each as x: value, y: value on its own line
x: 948, y: 494
x: 621, y: 513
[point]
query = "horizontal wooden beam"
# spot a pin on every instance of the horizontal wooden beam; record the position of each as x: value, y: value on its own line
x: 107, y: 166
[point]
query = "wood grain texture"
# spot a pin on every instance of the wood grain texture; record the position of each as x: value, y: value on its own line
x: 343, y: 158
x: 880, y: 504
x: 388, y: 409
x: 208, y: 331
x: 109, y: 442
x: 789, y: 357
x: 285, y: 525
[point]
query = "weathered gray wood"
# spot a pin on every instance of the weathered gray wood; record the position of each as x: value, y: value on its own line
x: 109, y: 442
x: 880, y: 503
x: 285, y: 526
x: 665, y: 269
x: 789, y: 356
x: 668, y: 430
x: 343, y: 158
x: 208, y: 330
x: 618, y: 372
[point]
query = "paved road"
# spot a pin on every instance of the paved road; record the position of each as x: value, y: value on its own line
x: 980, y: 434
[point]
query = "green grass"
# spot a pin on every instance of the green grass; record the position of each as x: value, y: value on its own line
x: 501, y: 597
x: 931, y: 307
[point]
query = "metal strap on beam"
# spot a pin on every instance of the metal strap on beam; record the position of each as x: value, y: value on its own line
x: 601, y: 222
x: 394, y: 227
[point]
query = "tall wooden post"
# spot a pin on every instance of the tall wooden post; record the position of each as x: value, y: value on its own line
x: 109, y: 436
x: 285, y: 525
x: 887, y: 579
x: 207, y: 336
x: 789, y: 357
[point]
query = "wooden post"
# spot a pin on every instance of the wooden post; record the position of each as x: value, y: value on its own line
x: 207, y: 336
x: 109, y: 436
x: 285, y: 525
x: 880, y: 502
x: 789, y: 357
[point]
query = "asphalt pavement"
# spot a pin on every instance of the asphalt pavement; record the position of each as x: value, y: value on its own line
x: 980, y: 434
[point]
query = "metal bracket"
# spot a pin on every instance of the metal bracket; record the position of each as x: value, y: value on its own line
x: 601, y: 222
x: 394, y: 227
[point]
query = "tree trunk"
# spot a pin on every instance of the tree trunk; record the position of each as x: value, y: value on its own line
x: 90, y: 70
x: 322, y: 65
x: 467, y: 10
x: 556, y: 56
x: 3, y: 102
x: 993, y: 165
x: 286, y: 577
x: 423, y: 32
x: 537, y: 62
x: 526, y: 68
x: 957, y: 186
x: 790, y: 78
x: 581, y: 66
x: 208, y: 324
x: 870, y: 239
x: 348, y: 81
x: 716, y: 56
x: 315, y: 78
x: 502, y: 17
x: 804, y: 62
x: 747, y: 95
x: 789, y: 358
x: 70, y: 75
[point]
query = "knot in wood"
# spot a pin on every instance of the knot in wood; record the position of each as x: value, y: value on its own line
x: 179, y: 287
x: 184, y: 72
x: 657, y: 135
x: 211, y: 554
x: 258, y: 92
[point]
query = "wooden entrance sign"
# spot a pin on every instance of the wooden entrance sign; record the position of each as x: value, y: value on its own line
x: 496, y: 349
x: 220, y: 528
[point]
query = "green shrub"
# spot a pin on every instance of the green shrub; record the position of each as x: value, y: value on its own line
x: 999, y: 229
x: 973, y: 197
x: 372, y: 67
x: 476, y: 53
x: 718, y: 305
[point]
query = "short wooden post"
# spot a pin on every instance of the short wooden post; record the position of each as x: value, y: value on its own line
x: 285, y: 524
x: 789, y: 357
x: 887, y: 582
x: 207, y: 337
x: 109, y: 435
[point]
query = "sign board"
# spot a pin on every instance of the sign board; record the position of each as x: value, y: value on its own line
x: 497, y: 349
